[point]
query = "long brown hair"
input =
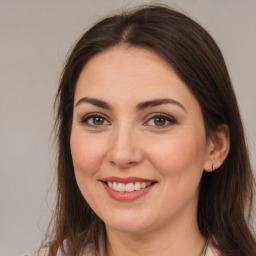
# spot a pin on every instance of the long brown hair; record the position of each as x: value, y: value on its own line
x: 225, y: 198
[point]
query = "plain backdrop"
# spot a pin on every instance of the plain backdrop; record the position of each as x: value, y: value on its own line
x: 35, y: 38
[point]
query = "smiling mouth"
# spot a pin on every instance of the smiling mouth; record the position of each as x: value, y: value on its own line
x: 128, y: 187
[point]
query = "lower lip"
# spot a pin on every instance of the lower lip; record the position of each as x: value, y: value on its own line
x: 127, y: 196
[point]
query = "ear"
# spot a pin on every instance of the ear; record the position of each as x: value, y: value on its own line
x: 218, y: 148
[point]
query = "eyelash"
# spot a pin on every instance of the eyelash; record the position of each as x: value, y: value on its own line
x: 164, y: 117
x: 85, y: 119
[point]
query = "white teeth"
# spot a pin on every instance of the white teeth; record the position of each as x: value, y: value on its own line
x: 137, y: 186
x: 121, y: 187
x: 115, y: 187
x: 143, y: 184
x: 129, y: 187
x: 110, y: 184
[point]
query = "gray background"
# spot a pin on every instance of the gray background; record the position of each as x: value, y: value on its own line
x: 35, y: 37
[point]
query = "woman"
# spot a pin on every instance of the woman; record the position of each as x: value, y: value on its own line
x: 152, y: 155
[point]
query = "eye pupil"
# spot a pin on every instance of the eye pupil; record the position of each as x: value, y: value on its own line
x: 98, y: 121
x: 159, y: 121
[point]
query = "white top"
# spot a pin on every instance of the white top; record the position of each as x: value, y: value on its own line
x: 44, y: 252
x: 210, y: 251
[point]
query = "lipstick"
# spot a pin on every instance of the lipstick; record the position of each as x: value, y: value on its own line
x: 127, y: 189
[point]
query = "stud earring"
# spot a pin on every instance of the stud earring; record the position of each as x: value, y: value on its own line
x: 213, y: 168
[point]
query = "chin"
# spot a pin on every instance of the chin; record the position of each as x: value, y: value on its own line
x: 128, y: 223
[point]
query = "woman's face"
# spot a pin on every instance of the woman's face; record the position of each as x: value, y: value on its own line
x: 138, y: 141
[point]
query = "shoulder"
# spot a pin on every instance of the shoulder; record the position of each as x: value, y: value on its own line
x: 211, y: 251
x: 40, y: 252
x: 88, y: 251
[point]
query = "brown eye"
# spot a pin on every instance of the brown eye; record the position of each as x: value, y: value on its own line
x: 98, y: 120
x: 160, y: 121
x: 94, y: 120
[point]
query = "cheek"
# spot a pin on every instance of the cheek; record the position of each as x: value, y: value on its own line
x: 179, y: 154
x: 87, y: 154
x: 179, y: 161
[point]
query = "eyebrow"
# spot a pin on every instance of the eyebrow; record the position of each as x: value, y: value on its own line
x: 95, y: 102
x: 141, y: 106
x: 157, y: 102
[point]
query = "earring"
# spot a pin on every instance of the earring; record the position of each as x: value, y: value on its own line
x: 213, y: 168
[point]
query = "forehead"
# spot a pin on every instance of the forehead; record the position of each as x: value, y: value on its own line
x: 130, y: 73
x: 134, y: 61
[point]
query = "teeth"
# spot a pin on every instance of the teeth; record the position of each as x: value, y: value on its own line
x: 129, y: 187
x: 115, y: 187
x: 110, y: 184
x: 121, y: 187
x: 137, y: 186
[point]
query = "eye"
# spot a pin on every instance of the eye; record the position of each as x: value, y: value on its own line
x: 161, y: 120
x: 94, y: 120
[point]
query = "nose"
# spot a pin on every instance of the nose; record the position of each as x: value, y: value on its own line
x: 125, y: 149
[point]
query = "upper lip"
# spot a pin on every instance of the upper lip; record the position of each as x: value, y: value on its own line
x: 126, y: 180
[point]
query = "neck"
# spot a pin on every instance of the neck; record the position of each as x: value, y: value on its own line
x: 181, y: 237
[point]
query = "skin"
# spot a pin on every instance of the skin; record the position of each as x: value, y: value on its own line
x: 126, y: 141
